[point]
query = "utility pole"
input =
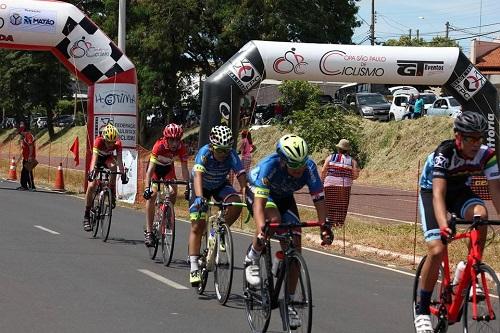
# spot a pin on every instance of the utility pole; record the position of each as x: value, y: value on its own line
x: 447, y: 29
x: 409, y: 34
x: 372, y: 27
x: 418, y: 35
x: 121, y: 25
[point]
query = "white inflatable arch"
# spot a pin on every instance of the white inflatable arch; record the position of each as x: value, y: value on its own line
x: 87, y: 53
x: 257, y: 60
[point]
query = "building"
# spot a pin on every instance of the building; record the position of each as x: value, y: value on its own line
x: 486, y: 57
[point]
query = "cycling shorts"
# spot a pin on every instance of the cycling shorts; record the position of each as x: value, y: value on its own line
x: 287, y: 208
x: 165, y: 172
x: 457, y: 202
x: 219, y: 194
x: 104, y: 161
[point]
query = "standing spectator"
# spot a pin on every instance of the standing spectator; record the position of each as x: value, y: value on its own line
x: 278, y: 111
x: 28, y: 155
x: 410, y: 108
x: 419, y: 107
x: 338, y: 172
x: 246, y: 148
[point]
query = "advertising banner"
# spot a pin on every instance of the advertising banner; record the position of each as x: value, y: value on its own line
x: 126, y: 126
x: 128, y: 191
x: 115, y: 98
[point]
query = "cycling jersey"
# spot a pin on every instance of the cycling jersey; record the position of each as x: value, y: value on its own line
x: 163, y: 155
x: 27, y: 141
x: 215, y: 172
x: 445, y: 162
x: 102, y: 149
x: 270, y: 178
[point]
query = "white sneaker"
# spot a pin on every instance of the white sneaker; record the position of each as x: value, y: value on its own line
x: 293, y: 318
x: 252, y: 274
x: 479, y: 293
x: 423, y: 324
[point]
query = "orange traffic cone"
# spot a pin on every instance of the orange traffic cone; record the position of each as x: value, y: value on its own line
x: 12, y: 169
x: 59, y: 184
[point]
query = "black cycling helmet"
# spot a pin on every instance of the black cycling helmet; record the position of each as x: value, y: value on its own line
x: 470, y: 122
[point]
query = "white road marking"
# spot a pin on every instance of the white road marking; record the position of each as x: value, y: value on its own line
x: 162, y: 279
x: 47, y: 230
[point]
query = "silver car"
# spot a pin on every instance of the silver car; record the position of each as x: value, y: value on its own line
x: 445, y: 106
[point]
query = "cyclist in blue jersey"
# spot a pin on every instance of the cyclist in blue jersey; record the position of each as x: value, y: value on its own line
x: 209, y: 179
x: 270, y: 197
x: 445, y: 187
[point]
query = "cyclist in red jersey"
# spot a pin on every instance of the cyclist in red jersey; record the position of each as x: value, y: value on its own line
x: 161, y: 166
x: 103, y: 155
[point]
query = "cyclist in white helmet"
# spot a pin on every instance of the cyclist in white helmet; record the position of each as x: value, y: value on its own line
x: 209, y: 179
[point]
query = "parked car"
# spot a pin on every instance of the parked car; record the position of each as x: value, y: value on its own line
x: 325, y: 99
x: 64, y: 121
x: 41, y: 122
x: 368, y: 105
x: 8, y: 123
x: 400, y: 101
x: 445, y: 106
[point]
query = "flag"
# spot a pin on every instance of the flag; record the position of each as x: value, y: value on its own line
x: 75, y: 149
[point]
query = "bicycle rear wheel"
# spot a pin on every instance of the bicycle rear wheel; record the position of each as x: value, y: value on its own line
x: 302, y: 297
x: 106, y: 214
x: 202, y: 264
x: 258, y: 298
x: 223, y: 273
x: 439, y: 325
x: 168, y: 234
x: 488, y: 288
x: 95, y: 214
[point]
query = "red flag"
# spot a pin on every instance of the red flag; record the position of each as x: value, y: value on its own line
x: 75, y: 149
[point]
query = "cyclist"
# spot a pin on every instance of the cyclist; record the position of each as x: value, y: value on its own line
x: 209, y: 178
x: 445, y: 187
x: 270, y: 197
x: 106, y: 146
x: 161, y: 166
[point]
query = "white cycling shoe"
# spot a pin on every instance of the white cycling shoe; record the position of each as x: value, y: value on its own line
x: 293, y: 318
x: 252, y: 274
x: 423, y: 324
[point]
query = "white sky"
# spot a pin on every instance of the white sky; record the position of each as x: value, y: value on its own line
x: 396, y: 17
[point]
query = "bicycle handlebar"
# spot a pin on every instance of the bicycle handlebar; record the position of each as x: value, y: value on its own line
x: 223, y: 204
x: 108, y: 172
x: 306, y: 224
x: 170, y: 182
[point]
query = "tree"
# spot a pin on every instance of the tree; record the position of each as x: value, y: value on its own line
x: 435, y: 42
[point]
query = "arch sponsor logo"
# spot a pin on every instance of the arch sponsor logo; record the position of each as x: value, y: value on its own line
x: 33, y: 20
x: 337, y: 62
x: 225, y: 111
x: 290, y: 61
x: 469, y: 83
x: 419, y: 67
x: 2, y: 22
x: 84, y: 48
x: 119, y: 98
x: 243, y: 73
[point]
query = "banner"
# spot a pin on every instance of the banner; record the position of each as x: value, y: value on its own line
x: 128, y: 191
x: 126, y: 126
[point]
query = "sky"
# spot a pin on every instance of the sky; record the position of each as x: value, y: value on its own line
x: 395, y: 18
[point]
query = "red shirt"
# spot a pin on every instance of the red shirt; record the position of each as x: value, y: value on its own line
x: 27, y: 141
x: 102, y: 149
x: 163, y: 155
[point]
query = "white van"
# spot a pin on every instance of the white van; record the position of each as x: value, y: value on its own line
x: 399, y: 102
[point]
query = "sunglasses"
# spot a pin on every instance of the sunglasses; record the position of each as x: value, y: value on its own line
x: 473, y: 139
x: 295, y: 165
x: 221, y: 150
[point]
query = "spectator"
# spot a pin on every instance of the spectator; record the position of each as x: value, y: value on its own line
x: 409, y: 108
x: 245, y: 149
x: 28, y: 155
x: 419, y: 107
x: 338, y: 172
x: 278, y: 111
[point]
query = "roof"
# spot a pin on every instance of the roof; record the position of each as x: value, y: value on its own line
x: 489, y: 63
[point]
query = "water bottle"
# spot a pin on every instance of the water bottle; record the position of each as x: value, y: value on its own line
x: 458, y: 273
x: 211, y: 248
x: 277, y: 262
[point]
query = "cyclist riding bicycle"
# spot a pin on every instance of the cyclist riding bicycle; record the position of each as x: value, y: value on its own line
x: 270, y: 197
x: 209, y: 179
x: 445, y: 187
x: 161, y: 167
x: 103, y: 155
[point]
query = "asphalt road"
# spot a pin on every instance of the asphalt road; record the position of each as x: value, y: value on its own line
x: 55, y: 278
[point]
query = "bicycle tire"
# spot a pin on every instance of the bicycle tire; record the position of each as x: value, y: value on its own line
x: 203, y: 264
x: 438, y: 324
x: 488, y: 281
x: 258, y: 299
x: 106, y: 215
x: 224, y: 264
x: 302, y: 302
x: 168, y: 234
x: 96, y: 209
x: 153, y: 250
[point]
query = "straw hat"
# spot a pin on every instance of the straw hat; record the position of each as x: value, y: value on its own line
x: 344, y: 144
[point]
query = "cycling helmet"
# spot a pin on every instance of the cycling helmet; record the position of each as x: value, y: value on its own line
x: 221, y: 136
x: 470, y: 122
x: 173, y: 131
x: 293, y: 150
x: 110, y: 133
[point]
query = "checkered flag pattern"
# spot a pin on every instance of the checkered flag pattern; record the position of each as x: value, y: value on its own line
x: 91, y: 51
x: 479, y: 185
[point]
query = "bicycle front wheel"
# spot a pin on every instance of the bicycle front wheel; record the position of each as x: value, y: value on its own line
x: 298, y: 309
x: 168, y: 234
x: 439, y: 325
x: 202, y: 264
x: 487, y: 318
x: 223, y: 273
x: 106, y: 214
x: 95, y: 214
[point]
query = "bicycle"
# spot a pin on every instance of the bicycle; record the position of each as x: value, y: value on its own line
x: 274, y: 289
x: 164, y: 221
x: 101, y: 210
x: 216, y: 252
x: 476, y: 296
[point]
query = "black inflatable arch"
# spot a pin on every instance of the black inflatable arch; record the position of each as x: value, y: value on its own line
x: 257, y: 60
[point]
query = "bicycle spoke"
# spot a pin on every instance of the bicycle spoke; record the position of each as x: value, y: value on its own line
x: 301, y: 319
x: 168, y: 234
x: 223, y: 274
x: 106, y: 215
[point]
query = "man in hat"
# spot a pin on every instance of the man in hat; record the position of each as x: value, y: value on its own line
x: 338, y: 172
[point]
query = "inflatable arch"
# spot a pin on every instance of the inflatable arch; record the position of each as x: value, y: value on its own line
x: 443, y: 66
x: 91, y: 56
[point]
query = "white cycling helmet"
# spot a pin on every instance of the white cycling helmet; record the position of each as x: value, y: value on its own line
x: 221, y: 136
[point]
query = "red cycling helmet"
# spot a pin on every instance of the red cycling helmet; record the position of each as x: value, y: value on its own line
x: 173, y: 131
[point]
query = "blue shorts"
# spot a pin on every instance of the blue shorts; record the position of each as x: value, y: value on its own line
x: 219, y: 194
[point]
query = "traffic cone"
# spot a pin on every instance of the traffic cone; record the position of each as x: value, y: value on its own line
x: 12, y: 169
x: 59, y: 184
